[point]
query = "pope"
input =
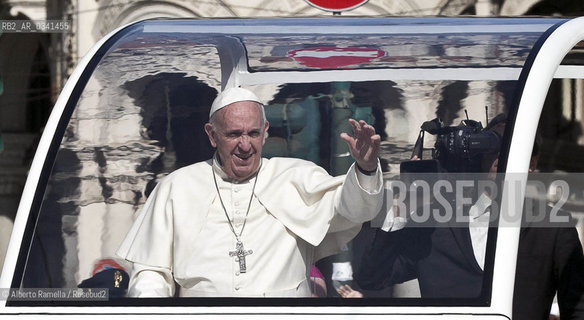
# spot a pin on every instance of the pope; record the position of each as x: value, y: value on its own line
x: 239, y: 225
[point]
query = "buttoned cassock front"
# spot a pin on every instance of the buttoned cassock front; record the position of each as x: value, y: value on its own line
x: 298, y: 215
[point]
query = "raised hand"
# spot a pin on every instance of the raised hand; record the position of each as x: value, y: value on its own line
x: 364, y: 145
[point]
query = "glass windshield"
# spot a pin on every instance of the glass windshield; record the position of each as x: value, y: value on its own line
x: 141, y: 115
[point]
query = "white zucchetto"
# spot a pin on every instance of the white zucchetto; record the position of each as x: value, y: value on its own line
x: 230, y: 96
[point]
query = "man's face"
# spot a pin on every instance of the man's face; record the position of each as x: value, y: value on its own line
x: 238, y: 135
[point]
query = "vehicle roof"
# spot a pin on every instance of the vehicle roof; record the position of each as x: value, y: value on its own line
x: 266, y: 50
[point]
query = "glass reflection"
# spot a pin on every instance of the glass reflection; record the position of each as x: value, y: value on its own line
x: 123, y: 138
x: 141, y: 114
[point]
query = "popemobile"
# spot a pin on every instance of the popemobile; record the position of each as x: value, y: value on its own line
x: 134, y: 109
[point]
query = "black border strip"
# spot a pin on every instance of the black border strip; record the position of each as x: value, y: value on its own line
x: 259, y: 302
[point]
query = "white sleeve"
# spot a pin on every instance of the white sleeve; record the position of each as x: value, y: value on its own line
x: 370, y: 183
x: 361, y: 196
x: 149, y: 281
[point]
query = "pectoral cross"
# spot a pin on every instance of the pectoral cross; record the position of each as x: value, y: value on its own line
x: 240, y: 252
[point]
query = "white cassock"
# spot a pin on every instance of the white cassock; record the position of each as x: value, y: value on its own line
x: 298, y: 214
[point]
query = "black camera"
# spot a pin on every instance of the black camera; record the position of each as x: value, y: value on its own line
x: 457, y: 148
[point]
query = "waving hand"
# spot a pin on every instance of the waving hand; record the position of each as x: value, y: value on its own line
x: 364, y: 145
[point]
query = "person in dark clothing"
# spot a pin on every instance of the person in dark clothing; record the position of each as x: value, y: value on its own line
x: 446, y: 262
x: 549, y: 262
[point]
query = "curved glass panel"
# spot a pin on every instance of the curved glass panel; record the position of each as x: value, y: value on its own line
x: 269, y: 53
x: 141, y: 113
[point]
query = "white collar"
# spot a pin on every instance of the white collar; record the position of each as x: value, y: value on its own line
x: 219, y: 171
x: 481, y: 206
